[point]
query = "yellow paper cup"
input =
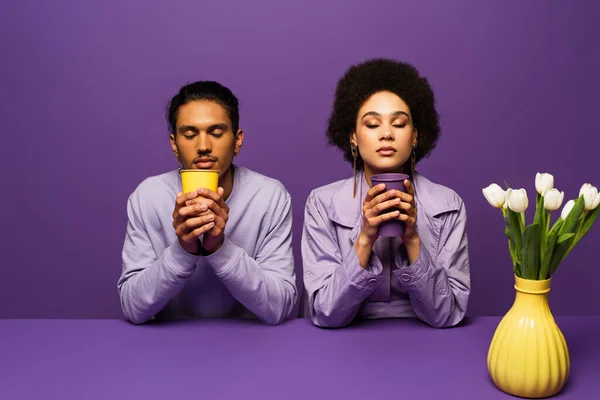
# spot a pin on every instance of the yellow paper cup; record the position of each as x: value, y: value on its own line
x: 192, y: 179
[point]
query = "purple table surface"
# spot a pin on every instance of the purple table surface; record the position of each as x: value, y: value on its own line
x: 226, y: 359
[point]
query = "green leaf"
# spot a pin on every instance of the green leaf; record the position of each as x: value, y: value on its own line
x: 561, y: 249
x: 564, y: 237
x: 556, y: 228
x: 531, y: 251
x: 515, y: 227
x: 540, y: 218
x: 511, y: 241
x: 507, y: 230
x: 539, y: 210
x: 522, y: 221
x: 517, y: 270
x: 588, y: 221
x: 546, y: 257
x: 513, y: 255
x: 571, y: 222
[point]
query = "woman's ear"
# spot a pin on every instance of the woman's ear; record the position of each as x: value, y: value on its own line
x: 353, y: 139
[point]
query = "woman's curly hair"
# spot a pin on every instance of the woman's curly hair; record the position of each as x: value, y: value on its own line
x: 363, y: 80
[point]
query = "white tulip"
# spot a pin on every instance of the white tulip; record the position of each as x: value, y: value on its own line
x: 494, y: 195
x: 553, y: 199
x: 543, y: 182
x: 517, y: 200
x: 567, y: 209
x: 508, y: 192
x: 590, y: 196
x: 596, y: 202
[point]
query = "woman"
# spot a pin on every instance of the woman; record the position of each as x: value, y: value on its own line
x: 384, y: 120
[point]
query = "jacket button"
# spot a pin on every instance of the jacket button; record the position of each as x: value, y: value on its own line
x: 405, y: 277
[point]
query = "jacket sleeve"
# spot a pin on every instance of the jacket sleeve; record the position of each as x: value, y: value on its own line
x: 149, y: 282
x: 265, y: 285
x: 336, y: 283
x: 439, y: 284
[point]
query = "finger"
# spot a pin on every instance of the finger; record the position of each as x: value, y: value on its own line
x: 179, y: 194
x: 409, y: 208
x: 224, y: 206
x: 200, y: 231
x: 193, y: 223
x: 393, y: 203
x: 405, y: 197
x: 410, y: 221
x: 409, y: 187
x: 181, y: 220
x: 390, y: 194
x: 185, y: 197
x: 216, y: 197
x: 210, y: 204
x: 375, y: 221
x: 217, y: 207
x: 194, y: 209
x: 196, y: 200
x: 373, y: 192
x: 219, y: 227
x: 209, y: 194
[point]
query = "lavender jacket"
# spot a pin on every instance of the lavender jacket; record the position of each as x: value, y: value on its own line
x: 437, y: 284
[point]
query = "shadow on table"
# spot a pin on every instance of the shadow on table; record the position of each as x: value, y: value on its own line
x: 368, y: 323
x: 205, y: 321
x: 358, y: 324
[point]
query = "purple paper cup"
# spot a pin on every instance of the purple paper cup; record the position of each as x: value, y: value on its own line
x: 392, y: 228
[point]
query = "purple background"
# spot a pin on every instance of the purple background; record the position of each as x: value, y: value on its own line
x: 83, y: 89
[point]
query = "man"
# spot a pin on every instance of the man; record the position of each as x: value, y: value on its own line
x: 204, y: 254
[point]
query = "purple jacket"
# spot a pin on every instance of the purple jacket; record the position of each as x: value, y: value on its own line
x: 436, y: 285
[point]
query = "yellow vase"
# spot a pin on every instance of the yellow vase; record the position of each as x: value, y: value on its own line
x: 528, y: 356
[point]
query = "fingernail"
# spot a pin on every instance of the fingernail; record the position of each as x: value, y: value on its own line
x: 187, y: 203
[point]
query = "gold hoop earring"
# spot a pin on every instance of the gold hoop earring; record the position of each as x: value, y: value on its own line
x: 354, y: 151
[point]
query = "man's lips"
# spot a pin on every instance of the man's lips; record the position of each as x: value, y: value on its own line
x: 204, y: 162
